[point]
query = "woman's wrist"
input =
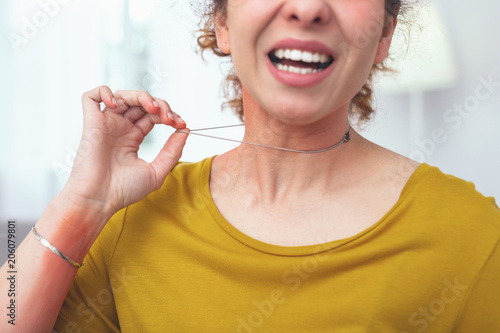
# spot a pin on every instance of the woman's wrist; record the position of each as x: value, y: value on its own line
x: 75, y: 202
x: 72, y: 223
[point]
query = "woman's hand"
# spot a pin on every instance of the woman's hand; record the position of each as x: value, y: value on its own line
x: 107, y: 173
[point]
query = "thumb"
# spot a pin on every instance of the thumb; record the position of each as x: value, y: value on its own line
x: 169, y: 156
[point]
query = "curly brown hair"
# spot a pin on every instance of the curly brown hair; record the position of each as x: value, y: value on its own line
x: 361, y: 104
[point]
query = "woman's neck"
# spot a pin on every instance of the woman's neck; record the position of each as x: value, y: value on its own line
x: 280, y: 176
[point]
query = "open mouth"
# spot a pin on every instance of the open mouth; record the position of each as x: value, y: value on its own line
x: 300, y: 62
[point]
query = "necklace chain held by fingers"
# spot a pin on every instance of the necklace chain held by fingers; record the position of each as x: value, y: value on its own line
x: 345, y: 138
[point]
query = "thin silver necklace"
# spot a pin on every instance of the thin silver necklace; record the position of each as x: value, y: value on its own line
x: 345, y: 138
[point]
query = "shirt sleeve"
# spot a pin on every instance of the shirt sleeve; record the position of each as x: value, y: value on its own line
x: 481, y: 311
x: 89, y: 305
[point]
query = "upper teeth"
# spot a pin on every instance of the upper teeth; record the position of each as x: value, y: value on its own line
x: 304, y: 56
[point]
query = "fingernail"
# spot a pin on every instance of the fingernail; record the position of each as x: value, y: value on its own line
x: 114, y: 101
x: 155, y: 103
x: 170, y: 115
x: 181, y: 121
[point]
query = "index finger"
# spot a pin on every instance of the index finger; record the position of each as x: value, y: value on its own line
x: 138, y: 98
x: 91, y: 100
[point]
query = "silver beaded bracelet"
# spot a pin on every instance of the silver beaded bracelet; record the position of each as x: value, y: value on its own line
x: 54, y: 249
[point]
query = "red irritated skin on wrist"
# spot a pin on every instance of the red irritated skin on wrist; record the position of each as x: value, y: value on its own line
x: 107, y: 175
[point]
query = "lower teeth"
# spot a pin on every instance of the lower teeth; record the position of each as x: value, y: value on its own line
x: 297, y: 70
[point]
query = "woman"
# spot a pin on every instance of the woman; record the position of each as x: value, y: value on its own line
x: 337, y: 235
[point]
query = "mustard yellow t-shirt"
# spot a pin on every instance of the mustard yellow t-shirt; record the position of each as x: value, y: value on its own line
x: 172, y: 263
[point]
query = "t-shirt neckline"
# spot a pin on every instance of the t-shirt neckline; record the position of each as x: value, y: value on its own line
x: 294, y: 251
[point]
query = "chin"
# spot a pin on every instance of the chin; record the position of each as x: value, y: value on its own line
x: 296, y: 116
x: 287, y: 108
x: 297, y: 113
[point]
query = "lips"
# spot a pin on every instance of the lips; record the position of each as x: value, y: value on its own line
x: 300, y: 63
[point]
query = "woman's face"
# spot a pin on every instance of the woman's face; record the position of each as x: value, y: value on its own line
x: 301, y: 60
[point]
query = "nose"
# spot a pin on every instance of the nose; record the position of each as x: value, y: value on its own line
x: 306, y: 12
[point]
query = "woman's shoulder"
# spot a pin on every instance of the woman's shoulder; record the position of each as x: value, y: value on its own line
x: 427, y: 184
x: 183, y: 171
x: 185, y: 176
x: 184, y: 183
x: 449, y: 205
x: 445, y: 189
x: 435, y: 199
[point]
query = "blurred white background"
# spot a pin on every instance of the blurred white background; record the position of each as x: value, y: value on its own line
x: 52, y: 51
